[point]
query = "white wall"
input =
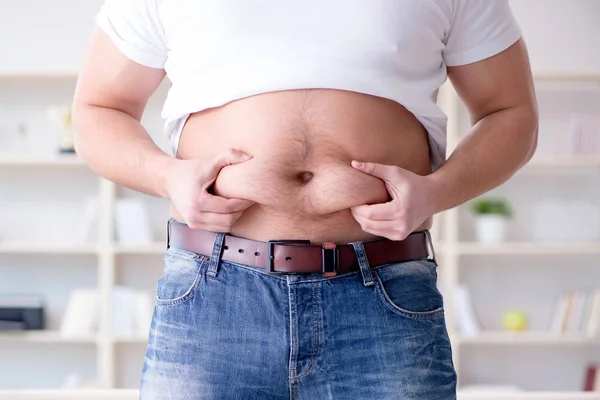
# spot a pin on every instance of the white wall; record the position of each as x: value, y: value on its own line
x: 49, y: 36
x: 561, y: 34
x: 38, y: 36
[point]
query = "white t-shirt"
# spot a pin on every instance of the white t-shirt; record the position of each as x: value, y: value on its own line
x: 218, y: 51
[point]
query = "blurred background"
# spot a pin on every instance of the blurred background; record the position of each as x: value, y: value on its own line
x: 519, y: 267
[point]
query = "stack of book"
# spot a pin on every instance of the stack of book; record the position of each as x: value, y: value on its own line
x: 578, y: 311
x: 592, y: 379
x: 467, y: 321
x: 585, y: 135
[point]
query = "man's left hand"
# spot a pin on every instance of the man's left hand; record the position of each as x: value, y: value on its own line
x: 412, y: 202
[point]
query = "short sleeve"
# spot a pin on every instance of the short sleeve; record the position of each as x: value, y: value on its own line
x: 479, y: 30
x: 134, y: 27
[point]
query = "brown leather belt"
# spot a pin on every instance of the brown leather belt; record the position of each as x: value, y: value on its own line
x: 299, y: 256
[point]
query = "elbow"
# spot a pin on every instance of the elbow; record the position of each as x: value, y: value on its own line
x: 532, y: 129
x: 78, y: 116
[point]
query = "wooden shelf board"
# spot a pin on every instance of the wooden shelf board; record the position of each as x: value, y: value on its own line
x: 130, y: 340
x: 528, y: 248
x: 41, y: 161
x: 525, y: 395
x: 528, y: 337
x: 154, y: 248
x: 564, y: 162
x: 43, y: 337
x: 566, y: 76
x: 37, y: 75
x: 47, y: 248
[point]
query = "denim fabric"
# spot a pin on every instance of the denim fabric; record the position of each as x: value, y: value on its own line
x: 244, y: 334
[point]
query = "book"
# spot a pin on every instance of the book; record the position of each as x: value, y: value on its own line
x: 132, y: 222
x: 592, y: 327
x: 131, y: 312
x: 577, y: 311
x: 569, y: 311
x: 590, y: 378
x: 82, y: 313
x: 560, y: 314
x: 466, y: 319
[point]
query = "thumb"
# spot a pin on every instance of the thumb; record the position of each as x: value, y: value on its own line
x: 229, y: 157
x: 385, y: 172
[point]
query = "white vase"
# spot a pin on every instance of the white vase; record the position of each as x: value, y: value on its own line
x: 490, y: 228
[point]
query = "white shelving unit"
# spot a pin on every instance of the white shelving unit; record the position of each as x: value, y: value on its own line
x: 461, y: 257
x: 115, y: 263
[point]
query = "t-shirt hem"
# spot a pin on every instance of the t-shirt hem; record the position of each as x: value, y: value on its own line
x: 483, y: 51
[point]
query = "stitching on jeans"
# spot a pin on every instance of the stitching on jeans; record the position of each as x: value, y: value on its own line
x: 400, y: 311
x: 201, y: 262
x: 315, y: 346
x: 258, y: 273
x: 293, y: 332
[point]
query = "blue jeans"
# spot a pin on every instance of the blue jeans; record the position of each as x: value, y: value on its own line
x: 225, y: 331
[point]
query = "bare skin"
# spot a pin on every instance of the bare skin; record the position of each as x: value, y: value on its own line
x: 298, y: 180
x: 300, y: 177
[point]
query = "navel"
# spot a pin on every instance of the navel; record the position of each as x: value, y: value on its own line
x: 305, y: 176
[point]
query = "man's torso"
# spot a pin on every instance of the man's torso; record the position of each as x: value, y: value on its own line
x: 303, y: 142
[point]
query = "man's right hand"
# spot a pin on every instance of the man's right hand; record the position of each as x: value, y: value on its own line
x: 188, y: 184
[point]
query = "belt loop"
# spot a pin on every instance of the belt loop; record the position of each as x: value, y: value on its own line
x: 215, y: 258
x: 168, y: 234
x: 363, y: 263
x: 429, y: 244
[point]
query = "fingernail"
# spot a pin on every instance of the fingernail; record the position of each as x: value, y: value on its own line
x: 358, y: 164
x: 245, y: 156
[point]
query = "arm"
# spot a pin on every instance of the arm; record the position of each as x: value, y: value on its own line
x: 110, y: 98
x: 111, y: 94
x: 500, y: 98
x: 499, y: 95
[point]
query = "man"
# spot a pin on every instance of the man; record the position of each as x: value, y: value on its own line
x: 309, y: 160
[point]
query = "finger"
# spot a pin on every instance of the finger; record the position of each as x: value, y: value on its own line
x: 392, y: 235
x: 385, y: 172
x: 389, y: 229
x: 212, y: 228
x: 229, y: 157
x: 217, y: 204
x: 215, y: 219
x: 376, y: 212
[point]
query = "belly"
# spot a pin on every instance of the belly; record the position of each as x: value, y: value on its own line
x: 303, y: 142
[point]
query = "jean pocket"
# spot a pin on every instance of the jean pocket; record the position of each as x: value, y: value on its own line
x: 181, y: 276
x: 410, y: 288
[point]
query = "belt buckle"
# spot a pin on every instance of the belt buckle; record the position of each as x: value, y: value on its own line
x: 271, y: 257
x: 330, y: 259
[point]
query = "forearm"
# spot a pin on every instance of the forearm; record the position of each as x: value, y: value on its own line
x: 118, y: 148
x: 494, y: 149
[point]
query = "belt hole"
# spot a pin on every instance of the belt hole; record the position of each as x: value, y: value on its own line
x: 241, y: 251
x: 226, y: 247
x: 288, y: 259
x: 257, y: 253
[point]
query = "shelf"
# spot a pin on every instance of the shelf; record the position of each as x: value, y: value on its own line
x: 529, y: 396
x: 566, y: 76
x: 154, y: 248
x: 130, y: 340
x: 75, y: 394
x: 529, y: 248
x: 42, y: 337
x: 41, y: 161
x: 529, y: 338
x: 563, y: 162
x: 47, y: 248
x: 36, y: 75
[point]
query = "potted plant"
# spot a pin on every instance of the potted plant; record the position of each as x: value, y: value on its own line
x: 492, y: 215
